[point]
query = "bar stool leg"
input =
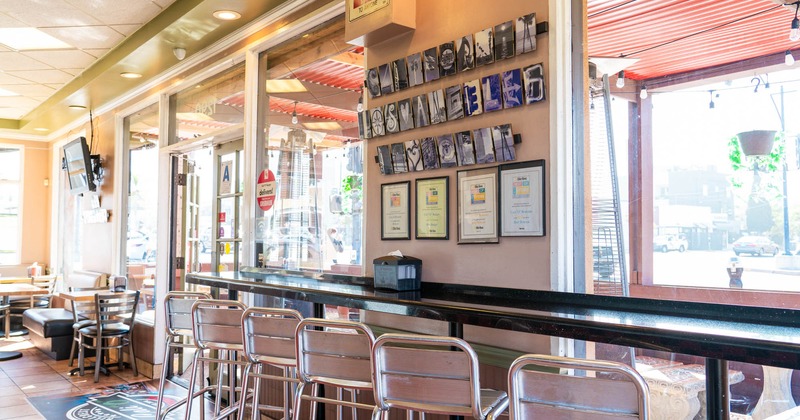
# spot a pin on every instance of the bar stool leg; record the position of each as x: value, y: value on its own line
x: 287, y: 392
x: 163, y: 380
x: 192, y: 380
x: 298, y: 392
x: 314, y: 391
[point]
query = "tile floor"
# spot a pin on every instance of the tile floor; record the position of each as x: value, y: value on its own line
x: 35, y: 374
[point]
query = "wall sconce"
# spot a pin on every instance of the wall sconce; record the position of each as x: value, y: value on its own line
x: 46, y: 182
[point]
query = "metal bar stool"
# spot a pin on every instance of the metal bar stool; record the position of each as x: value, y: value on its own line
x: 269, y: 340
x: 178, y: 310
x: 539, y: 394
x: 431, y: 374
x: 216, y: 327
x: 335, y: 353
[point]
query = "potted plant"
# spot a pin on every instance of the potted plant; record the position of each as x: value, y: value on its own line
x: 761, y: 152
x: 756, y: 142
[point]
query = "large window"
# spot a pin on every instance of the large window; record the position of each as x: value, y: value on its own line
x: 10, y: 204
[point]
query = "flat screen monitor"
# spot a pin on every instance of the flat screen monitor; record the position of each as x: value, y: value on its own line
x: 79, y: 166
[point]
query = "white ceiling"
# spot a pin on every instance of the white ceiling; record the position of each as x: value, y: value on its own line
x: 91, y: 27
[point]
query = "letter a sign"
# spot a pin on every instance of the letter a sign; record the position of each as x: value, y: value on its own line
x: 265, y: 190
x: 225, y: 175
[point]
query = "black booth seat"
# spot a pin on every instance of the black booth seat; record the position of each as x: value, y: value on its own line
x: 50, y: 330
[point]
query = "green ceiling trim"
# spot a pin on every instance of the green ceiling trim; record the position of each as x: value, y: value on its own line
x: 9, y: 124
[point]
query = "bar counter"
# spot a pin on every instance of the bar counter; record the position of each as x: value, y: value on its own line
x: 717, y: 332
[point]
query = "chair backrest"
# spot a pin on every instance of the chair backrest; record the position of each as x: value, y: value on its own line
x: 45, y: 282
x: 269, y: 335
x: 337, y: 354
x: 446, y: 368
x: 116, y: 308
x: 216, y: 324
x: 178, y: 310
x: 540, y: 394
x: 84, y: 309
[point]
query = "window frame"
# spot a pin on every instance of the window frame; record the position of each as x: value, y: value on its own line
x: 20, y: 182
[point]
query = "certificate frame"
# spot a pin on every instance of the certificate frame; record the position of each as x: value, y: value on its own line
x: 396, y: 210
x: 477, y: 206
x: 522, y: 198
x: 432, y: 212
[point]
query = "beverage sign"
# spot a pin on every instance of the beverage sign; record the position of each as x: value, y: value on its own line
x: 265, y: 190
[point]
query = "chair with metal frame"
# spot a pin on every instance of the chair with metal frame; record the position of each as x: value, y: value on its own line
x: 179, y: 335
x: 269, y: 340
x: 216, y: 326
x: 337, y: 354
x: 539, y: 394
x: 431, y: 374
x: 82, y: 316
x: 115, y: 313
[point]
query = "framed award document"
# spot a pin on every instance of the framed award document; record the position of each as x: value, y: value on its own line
x: 396, y: 210
x: 432, y: 213
x: 477, y: 206
x: 522, y: 199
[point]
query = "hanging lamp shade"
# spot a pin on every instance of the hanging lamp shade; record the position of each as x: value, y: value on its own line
x: 757, y: 142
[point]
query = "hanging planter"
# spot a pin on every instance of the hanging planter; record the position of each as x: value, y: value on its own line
x: 757, y: 142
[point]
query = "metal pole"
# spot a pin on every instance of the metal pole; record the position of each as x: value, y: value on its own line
x: 786, y: 242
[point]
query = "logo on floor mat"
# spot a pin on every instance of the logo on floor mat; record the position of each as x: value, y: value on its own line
x: 120, y: 406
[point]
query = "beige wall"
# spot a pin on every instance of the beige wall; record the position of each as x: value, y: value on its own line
x: 514, y: 262
x: 35, y: 201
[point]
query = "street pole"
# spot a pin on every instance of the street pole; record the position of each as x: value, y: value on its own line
x: 786, y: 242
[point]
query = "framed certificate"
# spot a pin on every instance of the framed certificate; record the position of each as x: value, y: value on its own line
x: 396, y: 210
x: 432, y: 213
x: 477, y: 206
x: 522, y: 199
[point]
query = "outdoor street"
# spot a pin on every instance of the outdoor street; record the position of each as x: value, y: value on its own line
x: 707, y: 269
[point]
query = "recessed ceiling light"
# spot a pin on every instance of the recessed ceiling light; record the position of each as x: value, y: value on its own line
x: 322, y: 126
x: 285, y: 86
x: 227, y: 15
x: 41, y: 129
x: 130, y: 75
x: 27, y: 39
x: 75, y: 106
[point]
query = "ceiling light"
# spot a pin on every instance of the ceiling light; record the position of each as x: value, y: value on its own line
x: 27, y: 39
x: 285, y: 86
x: 621, y: 79
x: 130, y: 75
x: 322, y: 126
x: 76, y: 106
x: 794, y: 33
x: 180, y: 53
x: 294, y: 113
x: 41, y: 129
x: 227, y: 15
x: 789, y: 58
x: 643, y: 92
x: 6, y: 93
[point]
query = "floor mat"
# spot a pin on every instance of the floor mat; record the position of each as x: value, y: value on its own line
x: 126, y: 401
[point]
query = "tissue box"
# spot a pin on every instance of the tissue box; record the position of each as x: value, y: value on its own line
x: 398, y: 273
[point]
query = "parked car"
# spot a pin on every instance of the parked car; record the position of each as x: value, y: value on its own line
x: 138, y: 247
x: 755, y: 245
x: 666, y: 243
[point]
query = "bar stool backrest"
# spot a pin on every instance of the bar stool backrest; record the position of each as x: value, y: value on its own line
x: 217, y: 324
x: 539, y: 394
x: 426, y: 373
x: 269, y: 335
x: 178, y: 309
x: 338, y: 355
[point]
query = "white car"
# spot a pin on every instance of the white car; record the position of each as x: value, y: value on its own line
x: 666, y: 243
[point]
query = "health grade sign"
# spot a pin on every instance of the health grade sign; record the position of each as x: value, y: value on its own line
x: 265, y: 190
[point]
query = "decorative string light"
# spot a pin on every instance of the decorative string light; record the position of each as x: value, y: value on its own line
x: 360, y: 106
x: 789, y: 58
x: 794, y: 32
x: 294, y: 113
x: 621, y: 79
x: 643, y: 92
x: 711, y: 96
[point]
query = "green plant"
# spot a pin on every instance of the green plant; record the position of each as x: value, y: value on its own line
x: 352, y: 191
x: 759, y: 211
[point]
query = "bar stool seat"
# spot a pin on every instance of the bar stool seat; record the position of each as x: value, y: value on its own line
x: 431, y: 374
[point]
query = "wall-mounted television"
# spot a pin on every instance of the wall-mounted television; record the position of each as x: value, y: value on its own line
x: 79, y: 166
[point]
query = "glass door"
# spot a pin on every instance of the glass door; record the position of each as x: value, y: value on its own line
x: 227, y: 244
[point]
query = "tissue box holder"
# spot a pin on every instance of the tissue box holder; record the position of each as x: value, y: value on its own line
x: 397, y: 273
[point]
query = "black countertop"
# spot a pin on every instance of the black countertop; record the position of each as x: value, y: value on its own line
x: 755, y: 335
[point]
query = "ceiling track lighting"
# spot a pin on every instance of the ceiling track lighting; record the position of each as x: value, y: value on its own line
x: 294, y: 113
x: 788, y: 58
x: 643, y: 92
x: 794, y: 33
x: 621, y: 79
